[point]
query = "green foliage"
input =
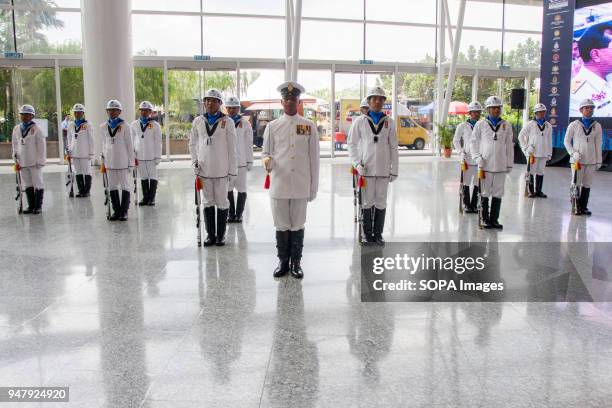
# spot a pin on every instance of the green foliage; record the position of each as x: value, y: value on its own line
x: 445, y: 133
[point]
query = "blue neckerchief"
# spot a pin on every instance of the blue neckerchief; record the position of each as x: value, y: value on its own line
x: 472, y: 122
x: 493, y: 120
x: 79, y: 122
x: 113, y: 123
x: 375, y: 116
x: 212, y: 118
x: 26, y: 125
x: 540, y: 121
x: 144, y: 121
x: 236, y: 119
x: 586, y: 122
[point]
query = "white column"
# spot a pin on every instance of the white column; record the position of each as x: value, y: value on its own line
x: 108, y: 71
x: 440, y: 68
x: 394, y: 96
x: 527, y: 92
x: 475, y: 86
x: 166, y: 110
x: 332, y: 109
x: 453, y: 68
x: 295, y: 50
x: 60, y: 119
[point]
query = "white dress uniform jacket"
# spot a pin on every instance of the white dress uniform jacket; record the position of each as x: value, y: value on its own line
x: 494, y: 145
x: 147, y: 143
x: 587, y: 142
x: 81, y: 140
x: 463, y: 132
x: 380, y: 158
x: 293, y: 144
x: 539, y: 138
x: 30, y: 149
x: 214, y: 147
x: 244, y: 142
x: 118, y: 150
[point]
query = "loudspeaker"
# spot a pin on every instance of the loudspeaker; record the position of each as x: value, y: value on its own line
x: 517, y: 99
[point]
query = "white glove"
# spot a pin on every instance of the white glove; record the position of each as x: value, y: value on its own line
x: 360, y: 169
x: 576, y: 156
x: 157, y: 161
x: 529, y: 151
x: 313, y: 195
x: 598, y: 166
x: 462, y: 155
x: 196, y: 168
x: 392, y: 178
x: 479, y: 161
x: 548, y: 158
x: 16, y: 157
x: 69, y: 152
x: 249, y: 166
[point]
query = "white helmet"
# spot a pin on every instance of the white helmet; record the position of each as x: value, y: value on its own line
x: 364, y: 103
x: 539, y: 107
x: 232, y: 102
x: 213, y: 93
x: 475, y: 106
x: 146, y: 105
x: 114, y: 104
x: 376, y: 91
x: 586, y: 102
x: 27, y: 109
x: 493, y: 101
x: 78, y: 108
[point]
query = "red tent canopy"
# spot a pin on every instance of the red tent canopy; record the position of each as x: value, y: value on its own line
x: 458, y: 108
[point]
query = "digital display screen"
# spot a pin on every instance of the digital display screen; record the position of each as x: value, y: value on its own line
x: 591, y: 70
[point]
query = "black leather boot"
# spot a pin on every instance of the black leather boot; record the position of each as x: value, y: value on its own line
x: 538, y: 186
x: 282, y: 251
x: 87, y: 185
x: 116, y: 204
x: 231, y: 215
x: 152, y: 192
x: 297, y: 244
x: 367, y: 222
x: 145, y: 192
x: 38, y: 201
x: 221, y: 225
x: 240, y: 206
x: 125, y: 205
x: 467, y: 206
x: 530, y: 186
x: 585, y: 192
x: 29, y: 193
x: 495, y: 208
x: 209, y: 223
x: 474, y: 200
x: 379, y: 225
x: 80, y: 185
x: 484, y: 213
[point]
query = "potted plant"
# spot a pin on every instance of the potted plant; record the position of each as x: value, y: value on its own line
x: 445, y: 133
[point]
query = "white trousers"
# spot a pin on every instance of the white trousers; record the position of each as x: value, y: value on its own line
x: 240, y: 183
x: 585, y: 175
x: 493, y: 185
x: 119, y: 179
x: 32, y: 177
x: 538, y: 166
x: 289, y: 214
x: 469, y: 176
x: 147, y: 169
x: 215, y: 192
x: 375, y: 192
x: 81, y: 166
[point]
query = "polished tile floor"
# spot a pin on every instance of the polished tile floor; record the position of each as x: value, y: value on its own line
x: 135, y: 315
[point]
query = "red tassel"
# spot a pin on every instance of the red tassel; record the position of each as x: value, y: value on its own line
x: 353, y: 171
x: 267, y: 182
x: 198, y: 184
x: 361, y: 182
